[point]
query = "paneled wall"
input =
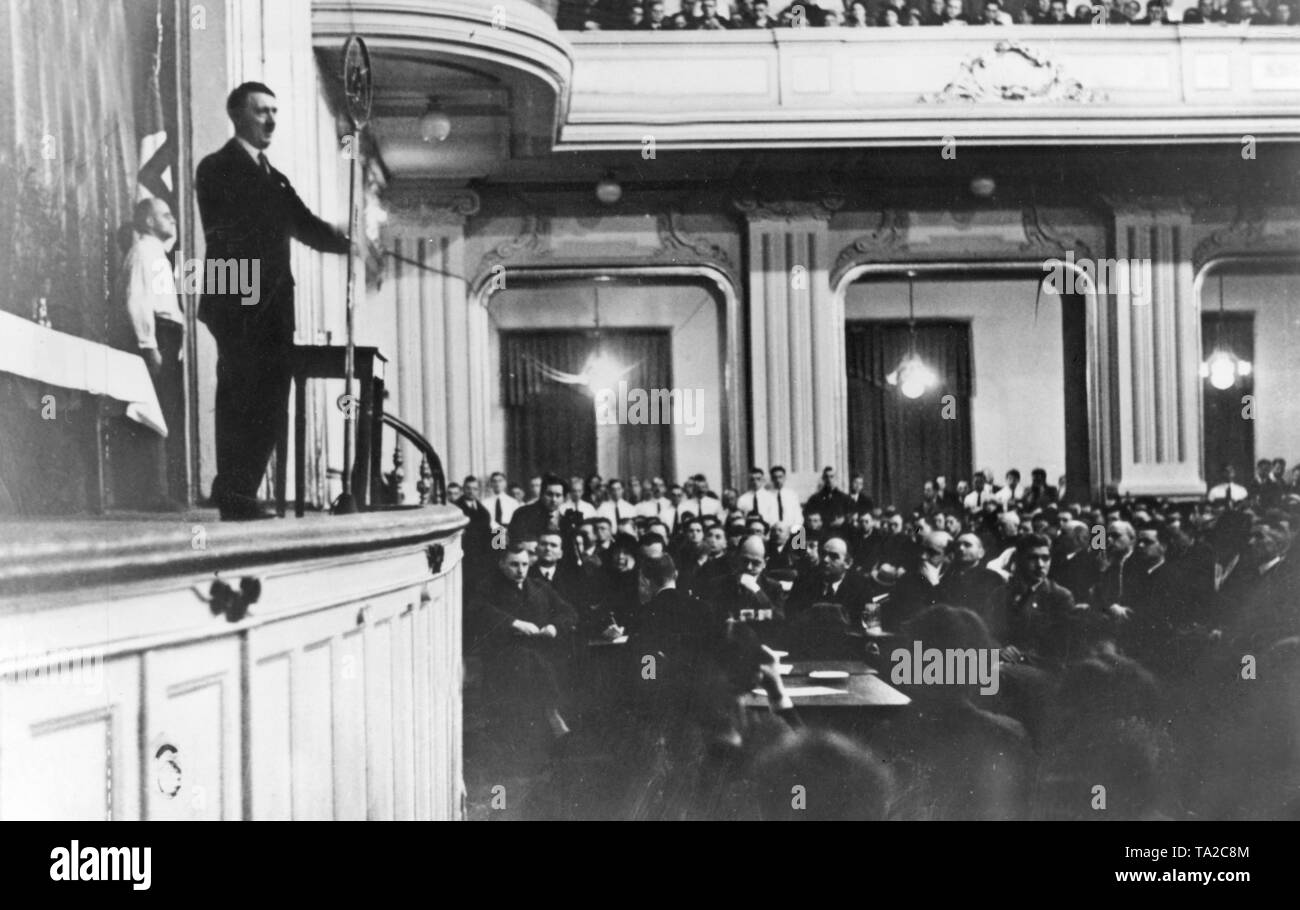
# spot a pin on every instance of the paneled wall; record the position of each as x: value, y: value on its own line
x: 336, y: 697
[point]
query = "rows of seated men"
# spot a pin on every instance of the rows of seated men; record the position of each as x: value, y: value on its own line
x: 1176, y: 607
x: 718, y: 15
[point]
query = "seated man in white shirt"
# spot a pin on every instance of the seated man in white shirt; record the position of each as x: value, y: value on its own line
x: 1012, y: 492
x: 655, y: 502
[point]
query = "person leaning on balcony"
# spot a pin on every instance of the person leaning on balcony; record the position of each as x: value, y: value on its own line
x: 956, y: 14
x: 655, y: 20
x: 1156, y: 14
x: 1242, y: 12
x: 709, y: 18
x: 1205, y: 11
x: 250, y: 213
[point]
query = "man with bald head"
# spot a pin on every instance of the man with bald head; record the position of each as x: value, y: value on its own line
x: 833, y: 582
x: 1111, y: 593
x: 1074, y: 562
x: 968, y: 583
x: 746, y: 594
x: 919, y: 588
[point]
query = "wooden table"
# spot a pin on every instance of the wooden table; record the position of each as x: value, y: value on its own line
x: 864, y: 689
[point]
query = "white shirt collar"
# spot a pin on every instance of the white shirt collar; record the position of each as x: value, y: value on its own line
x: 252, y: 152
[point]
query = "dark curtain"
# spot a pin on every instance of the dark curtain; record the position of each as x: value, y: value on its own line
x: 550, y: 426
x: 644, y: 450
x: 1228, y: 438
x: 899, y: 443
x: 68, y: 164
x: 1074, y: 348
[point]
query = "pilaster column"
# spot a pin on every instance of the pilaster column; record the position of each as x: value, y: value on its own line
x: 799, y: 387
x: 440, y: 338
x: 1157, y: 349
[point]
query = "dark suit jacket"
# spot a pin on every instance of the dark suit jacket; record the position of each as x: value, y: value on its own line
x: 1077, y: 573
x: 971, y: 588
x: 497, y: 603
x: 852, y: 595
x: 583, y: 588
x: 532, y: 519
x: 728, y: 596
x: 1040, y: 622
x: 677, y: 625
x: 248, y: 215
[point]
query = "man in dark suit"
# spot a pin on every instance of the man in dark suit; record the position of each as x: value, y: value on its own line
x: 746, y: 595
x: 1039, y: 494
x: 833, y: 583
x: 529, y: 521
x: 1074, y: 562
x: 478, y: 534
x: 968, y: 583
x: 250, y: 213
x: 580, y: 585
x: 1032, y: 617
x: 833, y: 503
x: 672, y: 624
x: 519, y: 626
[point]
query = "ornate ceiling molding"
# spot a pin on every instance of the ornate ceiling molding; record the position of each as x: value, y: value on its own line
x: 678, y: 246
x: 1042, y: 239
x: 1251, y: 233
x: 822, y: 208
x: 436, y: 206
x: 1013, y: 72
x: 892, y: 241
x: 535, y: 245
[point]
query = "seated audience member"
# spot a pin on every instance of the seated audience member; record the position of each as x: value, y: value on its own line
x: 580, y: 585
x: 968, y: 583
x: 981, y: 493
x: 1282, y: 14
x: 679, y: 630
x: 532, y: 519
x: 1074, y: 562
x: 1037, y: 9
x: 1156, y: 14
x: 858, y: 16
x: 634, y: 17
x: 746, y: 594
x: 919, y: 586
x: 913, y: 17
x: 584, y: 15
x: 1244, y: 12
x: 1265, y: 608
x: 888, y: 17
x: 831, y: 18
x: 1010, y: 493
x: 518, y: 625
x: 760, y: 16
x: 935, y: 12
x: 1031, y: 617
x: 1110, y: 595
x: 711, y: 563
x: 834, y: 582
x: 1132, y: 12
x: 959, y: 761
x: 1085, y: 14
x: 655, y: 20
x: 853, y: 784
x: 1206, y: 11
x: 1165, y: 606
x: 621, y: 583
x: 499, y: 503
x: 991, y: 13
x: 709, y: 18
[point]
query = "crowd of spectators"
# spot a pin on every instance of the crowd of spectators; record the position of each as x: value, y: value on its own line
x: 687, y: 15
x: 1149, y: 645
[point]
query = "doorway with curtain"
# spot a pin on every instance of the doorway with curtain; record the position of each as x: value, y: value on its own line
x: 1227, y: 438
x: 551, y: 422
x: 896, y: 442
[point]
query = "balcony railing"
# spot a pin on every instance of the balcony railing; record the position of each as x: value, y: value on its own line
x: 1012, y: 84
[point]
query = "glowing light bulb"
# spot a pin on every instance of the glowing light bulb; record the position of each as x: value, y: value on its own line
x: 913, y: 378
x: 603, y: 372
x: 1221, y: 370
